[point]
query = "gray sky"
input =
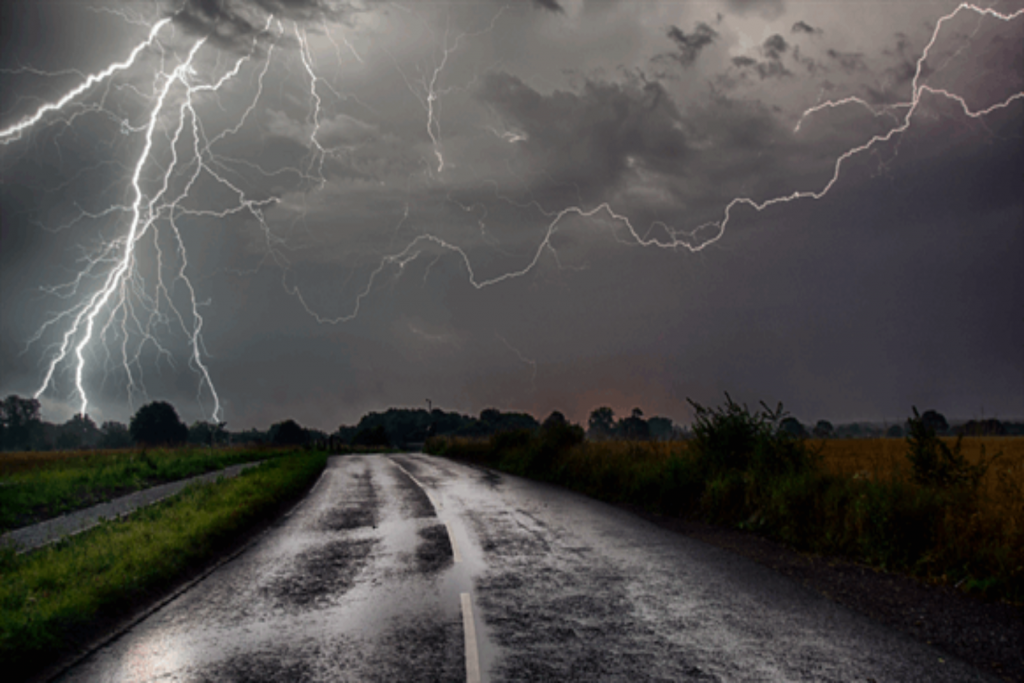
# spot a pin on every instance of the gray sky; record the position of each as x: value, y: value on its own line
x: 347, y: 206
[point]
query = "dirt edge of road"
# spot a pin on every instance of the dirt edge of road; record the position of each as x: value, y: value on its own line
x: 989, y: 635
x: 108, y: 628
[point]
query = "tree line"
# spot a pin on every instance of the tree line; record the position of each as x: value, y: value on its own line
x: 158, y: 423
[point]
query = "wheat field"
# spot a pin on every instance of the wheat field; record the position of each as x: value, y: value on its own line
x: 1001, y: 494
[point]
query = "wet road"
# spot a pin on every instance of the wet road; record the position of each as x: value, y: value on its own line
x: 412, y: 568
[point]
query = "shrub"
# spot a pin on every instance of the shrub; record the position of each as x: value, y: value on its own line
x: 936, y: 464
x: 733, y: 438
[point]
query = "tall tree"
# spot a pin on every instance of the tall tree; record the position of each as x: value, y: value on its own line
x: 601, y: 424
x: 115, y: 435
x: 792, y: 426
x: 19, y: 422
x: 635, y: 427
x: 935, y: 421
x: 204, y: 433
x: 288, y: 433
x: 824, y: 430
x: 78, y: 432
x: 660, y: 428
x: 156, y: 424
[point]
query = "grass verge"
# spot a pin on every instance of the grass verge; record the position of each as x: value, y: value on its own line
x: 742, y: 471
x: 39, y: 486
x: 51, y: 601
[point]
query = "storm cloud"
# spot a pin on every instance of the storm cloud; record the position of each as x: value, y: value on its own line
x: 590, y: 136
x: 689, y: 46
x: 517, y: 205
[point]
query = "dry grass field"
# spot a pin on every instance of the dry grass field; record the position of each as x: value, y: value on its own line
x: 1000, y: 496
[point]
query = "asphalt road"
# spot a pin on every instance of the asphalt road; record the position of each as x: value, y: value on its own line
x: 410, y: 568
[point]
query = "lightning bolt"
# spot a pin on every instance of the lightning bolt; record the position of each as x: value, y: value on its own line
x: 123, y: 280
x: 8, y: 135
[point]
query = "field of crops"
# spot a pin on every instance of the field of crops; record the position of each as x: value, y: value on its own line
x: 1000, y: 496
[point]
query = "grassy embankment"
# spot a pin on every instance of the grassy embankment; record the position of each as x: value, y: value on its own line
x: 35, y: 486
x: 54, y: 600
x: 948, y: 514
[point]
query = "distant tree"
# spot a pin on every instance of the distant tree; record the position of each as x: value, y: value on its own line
x: 556, y: 436
x: 894, y: 432
x: 288, y: 433
x: 77, y: 433
x: 824, y: 430
x: 555, y: 419
x: 989, y: 427
x: 19, y: 422
x: 203, y: 433
x: 114, y: 435
x: 935, y: 421
x: 374, y: 436
x: 601, y: 424
x: 792, y: 426
x: 157, y: 423
x: 490, y: 416
x: 661, y: 428
x: 251, y: 436
x: 635, y: 427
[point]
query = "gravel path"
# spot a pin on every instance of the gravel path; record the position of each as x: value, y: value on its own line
x: 37, y: 535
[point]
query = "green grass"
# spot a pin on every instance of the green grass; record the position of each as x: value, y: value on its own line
x: 35, y: 487
x: 50, y: 598
x: 741, y: 470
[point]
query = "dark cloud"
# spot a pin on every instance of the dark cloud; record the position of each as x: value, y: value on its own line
x: 550, y: 5
x: 769, y: 9
x: 848, y: 61
x: 775, y: 46
x: 690, y: 46
x: 804, y: 27
x: 590, y: 137
x: 233, y: 24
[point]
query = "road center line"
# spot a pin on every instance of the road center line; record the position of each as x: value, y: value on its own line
x: 451, y: 539
x: 472, y: 656
x: 418, y: 483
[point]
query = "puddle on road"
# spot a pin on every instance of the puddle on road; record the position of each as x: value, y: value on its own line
x: 434, y: 551
x: 354, y: 508
x: 321, y: 574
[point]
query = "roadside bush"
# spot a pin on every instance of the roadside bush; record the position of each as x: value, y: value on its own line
x: 732, y: 438
x: 936, y: 464
x: 437, y: 445
x: 724, y: 497
x: 556, y: 437
x: 682, y: 486
x: 792, y: 508
x: 896, y: 524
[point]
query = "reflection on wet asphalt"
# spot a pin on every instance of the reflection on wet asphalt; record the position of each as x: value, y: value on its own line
x: 361, y: 583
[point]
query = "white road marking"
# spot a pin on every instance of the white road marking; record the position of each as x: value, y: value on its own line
x: 451, y: 539
x: 418, y: 483
x: 472, y: 656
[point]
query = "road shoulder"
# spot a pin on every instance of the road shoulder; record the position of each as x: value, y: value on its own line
x: 989, y: 635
